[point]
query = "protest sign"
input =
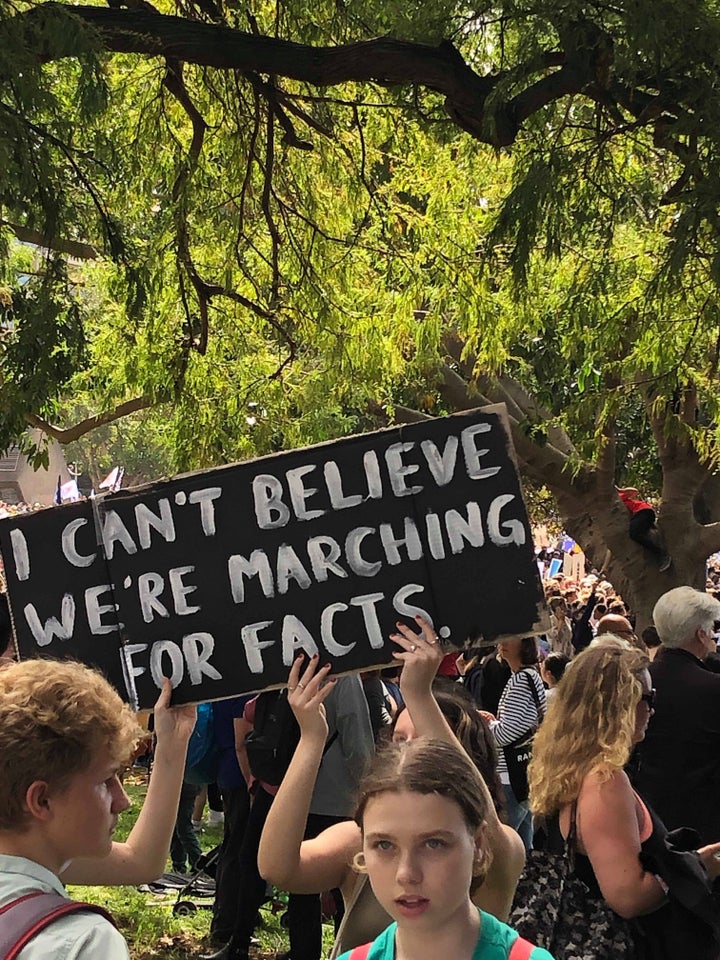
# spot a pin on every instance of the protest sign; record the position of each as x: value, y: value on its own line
x: 219, y: 579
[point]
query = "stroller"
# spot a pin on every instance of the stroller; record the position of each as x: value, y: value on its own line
x: 198, y: 892
x: 193, y: 892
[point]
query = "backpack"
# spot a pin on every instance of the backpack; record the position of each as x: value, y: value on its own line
x: 201, y: 765
x: 24, y: 918
x: 275, y: 734
x: 520, y: 950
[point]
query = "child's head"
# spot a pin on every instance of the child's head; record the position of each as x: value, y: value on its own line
x: 57, y: 719
x: 425, y: 778
x: 553, y: 668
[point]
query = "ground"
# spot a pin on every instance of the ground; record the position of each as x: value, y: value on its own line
x: 147, y: 921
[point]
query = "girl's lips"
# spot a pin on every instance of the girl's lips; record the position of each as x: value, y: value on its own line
x: 412, y: 906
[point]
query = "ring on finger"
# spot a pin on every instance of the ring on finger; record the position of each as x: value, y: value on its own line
x: 413, y: 648
x: 291, y: 689
x: 301, y: 684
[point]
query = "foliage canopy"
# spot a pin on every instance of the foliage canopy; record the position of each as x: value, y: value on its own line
x: 272, y: 221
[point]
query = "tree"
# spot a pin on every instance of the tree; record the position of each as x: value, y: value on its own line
x: 339, y: 203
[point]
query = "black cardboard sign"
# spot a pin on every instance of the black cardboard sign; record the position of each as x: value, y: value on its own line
x: 218, y: 579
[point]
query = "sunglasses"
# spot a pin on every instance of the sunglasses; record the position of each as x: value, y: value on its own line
x: 649, y: 698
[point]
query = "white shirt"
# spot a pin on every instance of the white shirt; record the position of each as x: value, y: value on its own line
x: 78, y: 936
x: 517, y: 713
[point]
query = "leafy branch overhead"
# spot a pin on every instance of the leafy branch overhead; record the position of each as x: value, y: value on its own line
x: 263, y: 220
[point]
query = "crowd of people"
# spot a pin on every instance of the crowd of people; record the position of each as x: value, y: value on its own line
x: 538, y: 797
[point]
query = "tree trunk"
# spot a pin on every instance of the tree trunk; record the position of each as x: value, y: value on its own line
x: 591, y: 509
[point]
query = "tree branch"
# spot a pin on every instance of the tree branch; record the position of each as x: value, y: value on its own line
x: 383, y: 60
x: 73, y: 248
x: 68, y: 434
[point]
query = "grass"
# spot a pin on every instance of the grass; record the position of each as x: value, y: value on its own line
x: 147, y: 921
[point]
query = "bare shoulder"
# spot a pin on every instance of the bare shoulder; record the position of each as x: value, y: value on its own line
x: 606, y: 800
x: 605, y: 786
x: 508, y: 859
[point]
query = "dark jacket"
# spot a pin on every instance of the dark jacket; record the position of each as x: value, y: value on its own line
x: 679, y: 759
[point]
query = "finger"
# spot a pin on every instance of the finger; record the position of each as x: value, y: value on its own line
x: 314, y: 683
x: 405, y: 657
x: 324, y: 692
x: 294, y: 674
x: 428, y: 631
x: 406, y: 631
x: 163, y: 700
x: 309, y: 671
x: 407, y: 643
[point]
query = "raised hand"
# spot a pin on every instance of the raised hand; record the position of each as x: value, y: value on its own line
x: 307, y: 689
x: 421, y: 655
x: 173, y: 725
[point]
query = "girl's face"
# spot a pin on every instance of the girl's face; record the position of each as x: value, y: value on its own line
x: 509, y: 651
x: 419, y: 853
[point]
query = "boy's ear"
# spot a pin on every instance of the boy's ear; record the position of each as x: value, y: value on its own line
x: 37, y: 799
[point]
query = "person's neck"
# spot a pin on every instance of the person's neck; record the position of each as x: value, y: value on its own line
x: 457, y: 937
x: 30, y: 847
x: 697, y: 648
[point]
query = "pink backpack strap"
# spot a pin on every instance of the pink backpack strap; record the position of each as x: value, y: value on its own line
x: 361, y: 952
x: 521, y: 950
x: 24, y: 918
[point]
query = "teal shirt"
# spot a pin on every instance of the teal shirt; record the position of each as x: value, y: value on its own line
x: 496, y: 939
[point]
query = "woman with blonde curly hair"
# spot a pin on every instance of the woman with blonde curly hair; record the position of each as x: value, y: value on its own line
x: 601, y: 709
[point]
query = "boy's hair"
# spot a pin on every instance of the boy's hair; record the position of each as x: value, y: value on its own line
x: 555, y: 664
x: 54, y: 718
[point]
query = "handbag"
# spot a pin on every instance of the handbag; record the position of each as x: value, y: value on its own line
x: 518, y: 754
x: 557, y: 910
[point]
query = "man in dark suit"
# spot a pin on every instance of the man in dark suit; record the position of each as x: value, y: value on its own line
x: 679, y: 760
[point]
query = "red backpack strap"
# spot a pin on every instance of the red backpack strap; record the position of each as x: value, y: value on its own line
x: 361, y: 952
x: 521, y: 950
x: 24, y: 918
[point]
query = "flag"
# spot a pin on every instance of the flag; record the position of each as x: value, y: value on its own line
x: 110, y: 480
x: 69, y: 492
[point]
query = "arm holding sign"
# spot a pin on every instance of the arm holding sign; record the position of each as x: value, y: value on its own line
x: 284, y: 858
x: 421, y: 656
x: 143, y: 856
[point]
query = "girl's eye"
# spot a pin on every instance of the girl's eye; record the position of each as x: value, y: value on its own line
x: 435, y: 843
x: 382, y: 845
